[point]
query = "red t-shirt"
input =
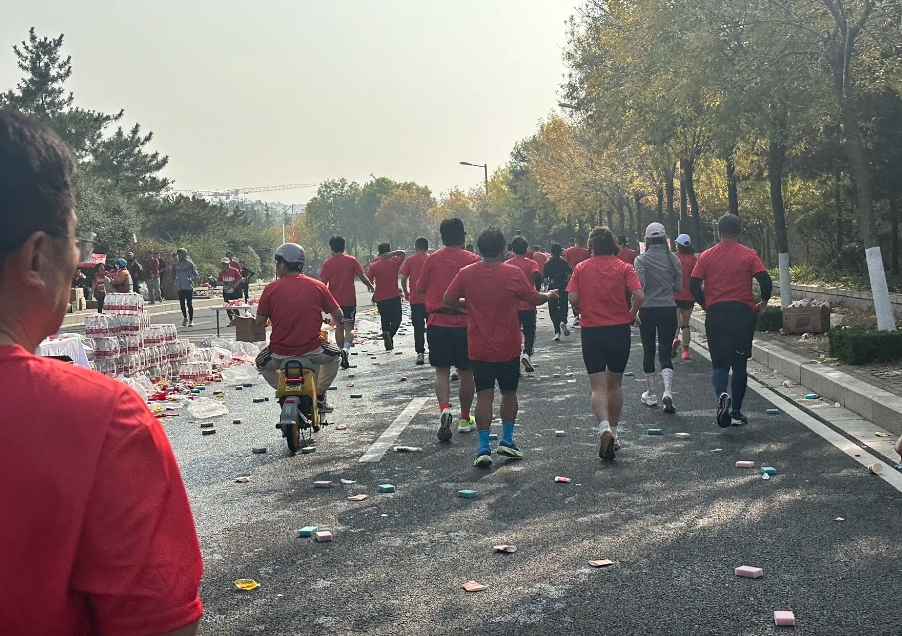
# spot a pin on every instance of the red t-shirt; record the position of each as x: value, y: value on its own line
x: 438, y: 271
x: 338, y: 273
x: 229, y: 277
x: 540, y: 258
x: 412, y: 268
x: 384, y: 274
x: 727, y: 270
x: 236, y: 264
x: 528, y: 267
x: 98, y: 283
x: 152, y: 268
x: 295, y: 304
x: 687, y: 262
x: 602, y: 283
x: 96, y: 529
x: 627, y: 255
x: 493, y: 292
x: 575, y: 255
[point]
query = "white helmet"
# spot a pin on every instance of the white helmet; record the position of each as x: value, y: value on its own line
x: 291, y: 253
x: 225, y: 261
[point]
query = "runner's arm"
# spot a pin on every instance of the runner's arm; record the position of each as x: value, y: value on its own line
x: 573, y: 297
x: 366, y: 281
x: 695, y: 286
x: 337, y: 316
x: 636, y: 300
x: 455, y: 303
x: 260, y: 320
x: 767, y: 286
x: 542, y: 298
x: 404, y: 279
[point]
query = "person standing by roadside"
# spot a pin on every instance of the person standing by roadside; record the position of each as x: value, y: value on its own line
x: 557, y: 274
x: 185, y: 274
x: 446, y: 328
x: 338, y: 274
x: 98, y: 286
x: 410, y: 272
x: 491, y: 291
x: 574, y: 255
x: 384, y: 273
x: 599, y: 287
x: 727, y: 270
x: 684, y: 300
x: 526, y: 311
x: 121, y: 280
x: 661, y: 276
x: 136, y: 271
x: 627, y: 255
x: 88, y: 555
x: 152, y: 275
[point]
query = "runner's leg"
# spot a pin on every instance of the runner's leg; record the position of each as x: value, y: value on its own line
x: 667, y: 331
x: 528, y: 326
x: 418, y: 318
x: 647, y: 330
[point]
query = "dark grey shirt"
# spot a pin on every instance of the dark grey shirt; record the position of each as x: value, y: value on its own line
x: 661, y: 276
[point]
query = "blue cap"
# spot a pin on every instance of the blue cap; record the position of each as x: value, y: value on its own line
x: 121, y: 262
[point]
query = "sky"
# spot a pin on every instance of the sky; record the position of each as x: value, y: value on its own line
x: 241, y: 94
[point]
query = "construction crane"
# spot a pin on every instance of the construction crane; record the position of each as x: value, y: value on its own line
x: 237, y: 192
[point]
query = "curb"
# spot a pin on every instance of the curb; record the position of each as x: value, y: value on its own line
x: 875, y: 405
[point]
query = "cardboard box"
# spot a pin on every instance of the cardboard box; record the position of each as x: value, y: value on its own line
x: 82, y: 304
x: 806, y: 320
x: 76, y: 294
x: 247, y: 331
x: 91, y: 304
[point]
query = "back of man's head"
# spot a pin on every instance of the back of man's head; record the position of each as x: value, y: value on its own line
x: 491, y: 242
x: 337, y: 244
x: 729, y: 226
x: 384, y: 248
x: 519, y: 245
x: 581, y: 240
x: 421, y: 244
x: 621, y: 240
x: 452, y: 232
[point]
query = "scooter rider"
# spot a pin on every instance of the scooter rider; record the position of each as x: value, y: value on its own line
x: 295, y: 304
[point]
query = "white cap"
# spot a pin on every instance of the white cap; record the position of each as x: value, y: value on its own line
x: 226, y: 261
x: 683, y: 239
x: 655, y: 230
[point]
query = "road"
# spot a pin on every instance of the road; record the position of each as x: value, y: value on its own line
x: 675, y: 516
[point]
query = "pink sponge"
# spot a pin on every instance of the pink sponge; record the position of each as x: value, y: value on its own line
x: 749, y: 572
x: 787, y: 619
x: 744, y: 464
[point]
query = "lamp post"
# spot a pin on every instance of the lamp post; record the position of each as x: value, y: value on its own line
x: 485, y: 167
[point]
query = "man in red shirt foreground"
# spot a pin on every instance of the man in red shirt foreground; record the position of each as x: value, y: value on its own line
x: 338, y: 274
x: 727, y: 270
x: 97, y: 535
x: 295, y: 304
x: 410, y: 272
x: 491, y: 291
x: 446, y: 328
x: 384, y: 271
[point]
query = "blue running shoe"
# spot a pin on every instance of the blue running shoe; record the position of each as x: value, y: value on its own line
x: 509, y: 450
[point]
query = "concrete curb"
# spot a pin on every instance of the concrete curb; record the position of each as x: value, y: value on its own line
x: 875, y: 405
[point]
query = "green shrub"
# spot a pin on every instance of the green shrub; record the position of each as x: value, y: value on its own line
x: 771, y: 319
x: 862, y: 345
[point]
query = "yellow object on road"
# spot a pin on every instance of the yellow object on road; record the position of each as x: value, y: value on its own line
x: 246, y: 584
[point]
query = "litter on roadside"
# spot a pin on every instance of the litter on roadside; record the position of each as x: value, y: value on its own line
x: 601, y: 563
x: 246, y: 584
x: 506, y: 549
x: 473, y: 586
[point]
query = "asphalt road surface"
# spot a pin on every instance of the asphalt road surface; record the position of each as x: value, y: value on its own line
x: 675, y: 516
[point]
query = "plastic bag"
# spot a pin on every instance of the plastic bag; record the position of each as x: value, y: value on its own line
x: 205, y: 408
x: 240, y: 373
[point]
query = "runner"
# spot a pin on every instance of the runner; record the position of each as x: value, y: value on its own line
x: 526, y: 311
x: 683, y: 298
x: 574, y: 255
x: 410, y: 272
x: 491, y: 291
x: 626, y: 255
x: 556, y: 274
x: 338, y: 274
x: 727, y: 270
x: 231, y: 290
x: 184, y: 274
x: 446, y: 328
x: 152, y: 275
x: 598, y: 287
x: 539, y: 257
x: 660, y: 274
x: 98, y: 285
x: 384, y: 273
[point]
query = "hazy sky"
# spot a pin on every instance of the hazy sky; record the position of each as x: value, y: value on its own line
x: 243, y: 94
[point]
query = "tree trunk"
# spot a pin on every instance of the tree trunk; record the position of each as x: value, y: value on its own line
x: 776, y: 159
x: 621, y: 215
x: 660, y: 195
x: 837, y: 201
x: 732, y: 192
x: 637, y: 199
x: 668, y: 192
x: 683, y: 221
x: 687, y: 166
x: 610, y: 219
x: 894, y: 240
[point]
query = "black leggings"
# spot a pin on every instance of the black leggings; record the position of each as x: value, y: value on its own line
x: 186, y: 302
x: 418, y: 318
x: 557, y: 309
x: 660, y: 322
x: 390, y: 315
x: 528, y: 326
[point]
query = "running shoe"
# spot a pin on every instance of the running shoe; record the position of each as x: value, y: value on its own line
x: 723, y: 410
x: 509, y: 450
x: 387, y: 340
x: 649, y: 399
x: 738, y: 419
x: 674, y: 348
x: 557, y: 337
x: 444, y: 429
x: 323, y: 406
x: 565, y: 328
x: 466, y: 426
x: 483, y: 459
x: 616, y: 444
x: 185, y: 322
x: 686, y: 355
x: 576, y: 322
x: 606, y: 445
x: 421, y: 358
x: 527, y: 363
x: 668, y: 402
x: 190, y: 323
x: 454, y: 374
x: 344, y: 364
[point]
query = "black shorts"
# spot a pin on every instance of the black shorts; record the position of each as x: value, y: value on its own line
x: 685, y: 304
x: 233, y: 295
x: 349, y: 313
x: 606, y: 348
x: 730, y: 328
x: 507, y: 375
x: 448, y: 347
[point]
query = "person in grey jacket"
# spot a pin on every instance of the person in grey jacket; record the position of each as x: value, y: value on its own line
x: 185, y: 274
x: 661, y: 276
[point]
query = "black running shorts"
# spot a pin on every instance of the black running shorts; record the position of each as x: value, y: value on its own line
x: 507, y: 374
x: 350, y: 314
x: 448, y: 347
x: 606, y: 348
x: 685, y: 304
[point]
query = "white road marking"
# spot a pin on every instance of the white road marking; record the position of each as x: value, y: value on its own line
x: 850, y: 448
x: 378, y: 448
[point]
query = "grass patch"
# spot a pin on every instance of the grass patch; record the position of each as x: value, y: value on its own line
x: 863, y: 345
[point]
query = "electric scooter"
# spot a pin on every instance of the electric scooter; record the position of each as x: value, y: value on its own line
x: 300, y: 416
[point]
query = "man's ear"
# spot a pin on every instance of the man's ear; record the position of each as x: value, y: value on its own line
x: 30, y: 263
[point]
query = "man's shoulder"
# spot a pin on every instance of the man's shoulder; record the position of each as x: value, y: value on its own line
x: 71, y: 383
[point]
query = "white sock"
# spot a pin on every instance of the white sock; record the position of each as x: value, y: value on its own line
x: 667, y: 376
x: 650, y: 383
x: 614, y: 430
x: 603, y: 426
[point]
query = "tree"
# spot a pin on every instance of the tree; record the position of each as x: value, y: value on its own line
x: 124, y: 161
x: 403, y: 215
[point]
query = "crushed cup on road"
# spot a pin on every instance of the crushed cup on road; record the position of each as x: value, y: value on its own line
x: 473, y: 586
x: 207, y: 425
x: 357, y: 497
x: 562, y: 480
x: 839, y: 519
x: 784, y: 619
x: 356, y: 396
x: 407, y: 449
x: 875, y: 469
x: 812, y: 396
x: 749, y: 572
x: 242, y: 480
x: 683, y: 436
x: 341, y: 427
x: 322, y: 536
x: 601, y: 563
x: 506, y: 549
x: 259, y: 400
x: 745, y: 464
x: 307, y: 531
x: 786, y: 384
x: 654, y: 431
x: 238, y: 420
x: 306, y: 450
x: 259, y: 450
x: 348, y: 482
x: 773, y: 411
x: 246, y: 584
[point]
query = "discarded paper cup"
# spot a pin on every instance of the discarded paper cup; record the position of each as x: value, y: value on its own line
x: 562, y: 480
x: 745, y: 464
x: 875, y: 469
x: 246, y: 584
x: 506, y: 549
x: 683, y: 436
x: 473, y: 586
x: 559, y: 433
x: 306, y: 450
x: 601, y: 563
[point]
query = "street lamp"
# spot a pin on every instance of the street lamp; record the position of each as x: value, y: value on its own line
x: 485, y: 167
